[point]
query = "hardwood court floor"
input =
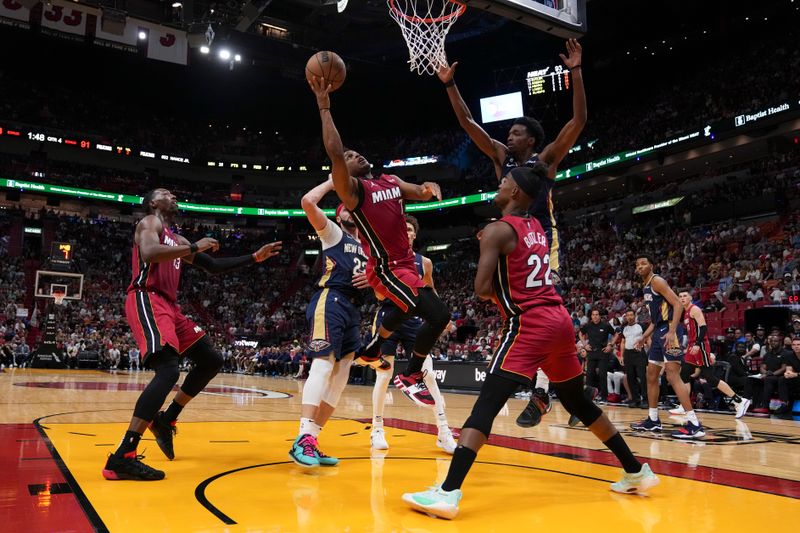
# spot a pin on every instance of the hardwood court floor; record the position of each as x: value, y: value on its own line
x: 232, y: 472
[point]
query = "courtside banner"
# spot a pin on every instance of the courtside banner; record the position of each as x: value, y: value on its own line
x: 66, y: 17
x: 12, y: 9
x: 454, y: 375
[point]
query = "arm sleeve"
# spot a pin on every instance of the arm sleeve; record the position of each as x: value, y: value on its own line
x: 701, y: 334
x: 330, y: 235
x: 221, y: 265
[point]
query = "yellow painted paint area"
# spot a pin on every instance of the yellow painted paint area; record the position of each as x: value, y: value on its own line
x: 507, y: 490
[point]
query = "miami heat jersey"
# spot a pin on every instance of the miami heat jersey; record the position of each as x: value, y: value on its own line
x: 522, y: 279
x: 342, y: 261
x: 542, y: 207
x: 380, y: 218
x: 660, y: 310
x: 692, y: 329
x: 162, y: 277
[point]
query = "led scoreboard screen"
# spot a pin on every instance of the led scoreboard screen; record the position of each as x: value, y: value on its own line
x: 61, y: 253
x: 548, y: 80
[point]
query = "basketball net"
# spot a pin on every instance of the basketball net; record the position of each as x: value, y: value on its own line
x: 425, y: 24
x: 58, y: 297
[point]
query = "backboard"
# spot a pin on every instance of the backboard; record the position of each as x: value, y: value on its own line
x: 563, y: 18
x: 67, y: 283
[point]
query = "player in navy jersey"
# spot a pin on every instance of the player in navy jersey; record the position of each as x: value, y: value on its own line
x: 525, y: 147
x: 513, y: 271
x: 377, y: 206
x: 334, y: 321
x: 164, y: 335
x: 406, y: 336
x: 698, y: 355
x: 666, y: 312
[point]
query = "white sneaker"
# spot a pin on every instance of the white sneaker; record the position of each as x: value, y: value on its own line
x: 741, y: 407
x: 435, y: 502
x: 377, y: 439
x: 636, y: 483
x: 678, y: 411
x: 445, y: 440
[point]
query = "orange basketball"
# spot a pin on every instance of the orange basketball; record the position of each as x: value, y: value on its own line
x: 327, y: 65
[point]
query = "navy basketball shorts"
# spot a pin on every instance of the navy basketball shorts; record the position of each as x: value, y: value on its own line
x: 335, y: 324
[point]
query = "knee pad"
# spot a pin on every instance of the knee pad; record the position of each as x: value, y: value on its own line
x: 574, y: 400
x: 710, y: 377
x: 166, y: 365
x: 207, y: 361
x: 431, y: 308
x: 318, y: 380
x: 394, y: 318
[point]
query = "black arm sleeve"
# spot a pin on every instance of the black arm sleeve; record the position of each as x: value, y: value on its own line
x: 221, y: 265
x: 701, y: 334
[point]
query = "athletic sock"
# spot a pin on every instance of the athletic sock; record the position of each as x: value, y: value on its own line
x: 173, y: 411
x: 736, y: 398
x: 620, y: 449
x: 652, y: 412
x: 415, y: 364
x: 459, y: 468
x: 377, y: 422
x: 129, y: 443
x: 692, y: 416
x: 315, y: 429
x: 441, y: 420
x: 307, y: 426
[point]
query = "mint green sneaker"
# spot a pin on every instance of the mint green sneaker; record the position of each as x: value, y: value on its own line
x: 638, y: 483
x: 304, y: 451
x: 325, y: 460
x: 435, y: 502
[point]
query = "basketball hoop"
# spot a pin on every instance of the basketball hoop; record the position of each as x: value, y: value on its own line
x: 58, y: 297
x: 425, y: 24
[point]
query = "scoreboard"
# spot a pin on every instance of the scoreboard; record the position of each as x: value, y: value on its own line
x: 61, y: 253
x: 548, y: 80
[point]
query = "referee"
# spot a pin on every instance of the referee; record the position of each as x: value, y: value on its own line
x: 635, y: 361
x: 598, y: 334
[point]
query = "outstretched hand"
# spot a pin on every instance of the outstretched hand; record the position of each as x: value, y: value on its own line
x: 432, y: 189
x: 268, y: 250
x: 574, y: 54
x: 447, y: 72
x: 321, y: 90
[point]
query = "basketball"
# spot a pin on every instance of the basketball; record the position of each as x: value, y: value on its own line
x: 327, y: 65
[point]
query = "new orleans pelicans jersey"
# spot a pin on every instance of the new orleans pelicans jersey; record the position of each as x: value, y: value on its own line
x: 343, y: 256
x: 660, y: 310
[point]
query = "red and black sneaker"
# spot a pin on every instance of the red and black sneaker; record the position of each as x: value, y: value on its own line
x: 164, y: 432
x: 414, y: 387
x: 537, y: 407
x: 130, y: 466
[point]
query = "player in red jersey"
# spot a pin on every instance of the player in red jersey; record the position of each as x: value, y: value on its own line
x: 698, y: 354
x: 514, y: 272
x: 376, y: 204
x: 163, y: 333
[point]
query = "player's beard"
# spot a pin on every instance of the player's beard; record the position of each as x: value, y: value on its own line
x: 351, y: 226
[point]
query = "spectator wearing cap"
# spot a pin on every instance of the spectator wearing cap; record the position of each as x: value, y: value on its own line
x: 728, y: 343
x: 796, y: 326
x: 761, y: 338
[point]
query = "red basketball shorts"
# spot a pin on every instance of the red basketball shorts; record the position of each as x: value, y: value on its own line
x: 157, y: 322
x: 541, y: 337
x: 699, y: 355
x: 400, y: 283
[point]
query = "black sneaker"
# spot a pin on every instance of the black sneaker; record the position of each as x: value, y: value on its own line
x: 130, y: 466
x: 164, y: 432
x: 647, y: 425
x: 591, y: 393
x: 538, y: 406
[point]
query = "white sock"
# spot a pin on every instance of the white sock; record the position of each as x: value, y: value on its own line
x: 377, y: 422
x: 652, y: 412
x: 433, y: 388
x: 692, y: 417
x: 307, y: 427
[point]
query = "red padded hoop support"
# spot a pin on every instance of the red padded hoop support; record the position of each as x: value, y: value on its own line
x: 454, y: 14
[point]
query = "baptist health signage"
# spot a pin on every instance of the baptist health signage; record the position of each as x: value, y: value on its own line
x: 743, y: 120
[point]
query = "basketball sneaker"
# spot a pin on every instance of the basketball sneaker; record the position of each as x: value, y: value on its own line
x: 636, y: 483
x: 435, y: 502
x: 537, y: 407
x: 378, y: 363
x: 741, y: 407
x: 689, y: 431
x: 164, y: 432
x: 647, y: 425
x: 130, y: 466
x: 678, y: 411
x: 445, y: 440
x: 304, y: 451
x: 325, y: 460
x: 377, y: 439
x: 591, y: 393
x: 413, y: 386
